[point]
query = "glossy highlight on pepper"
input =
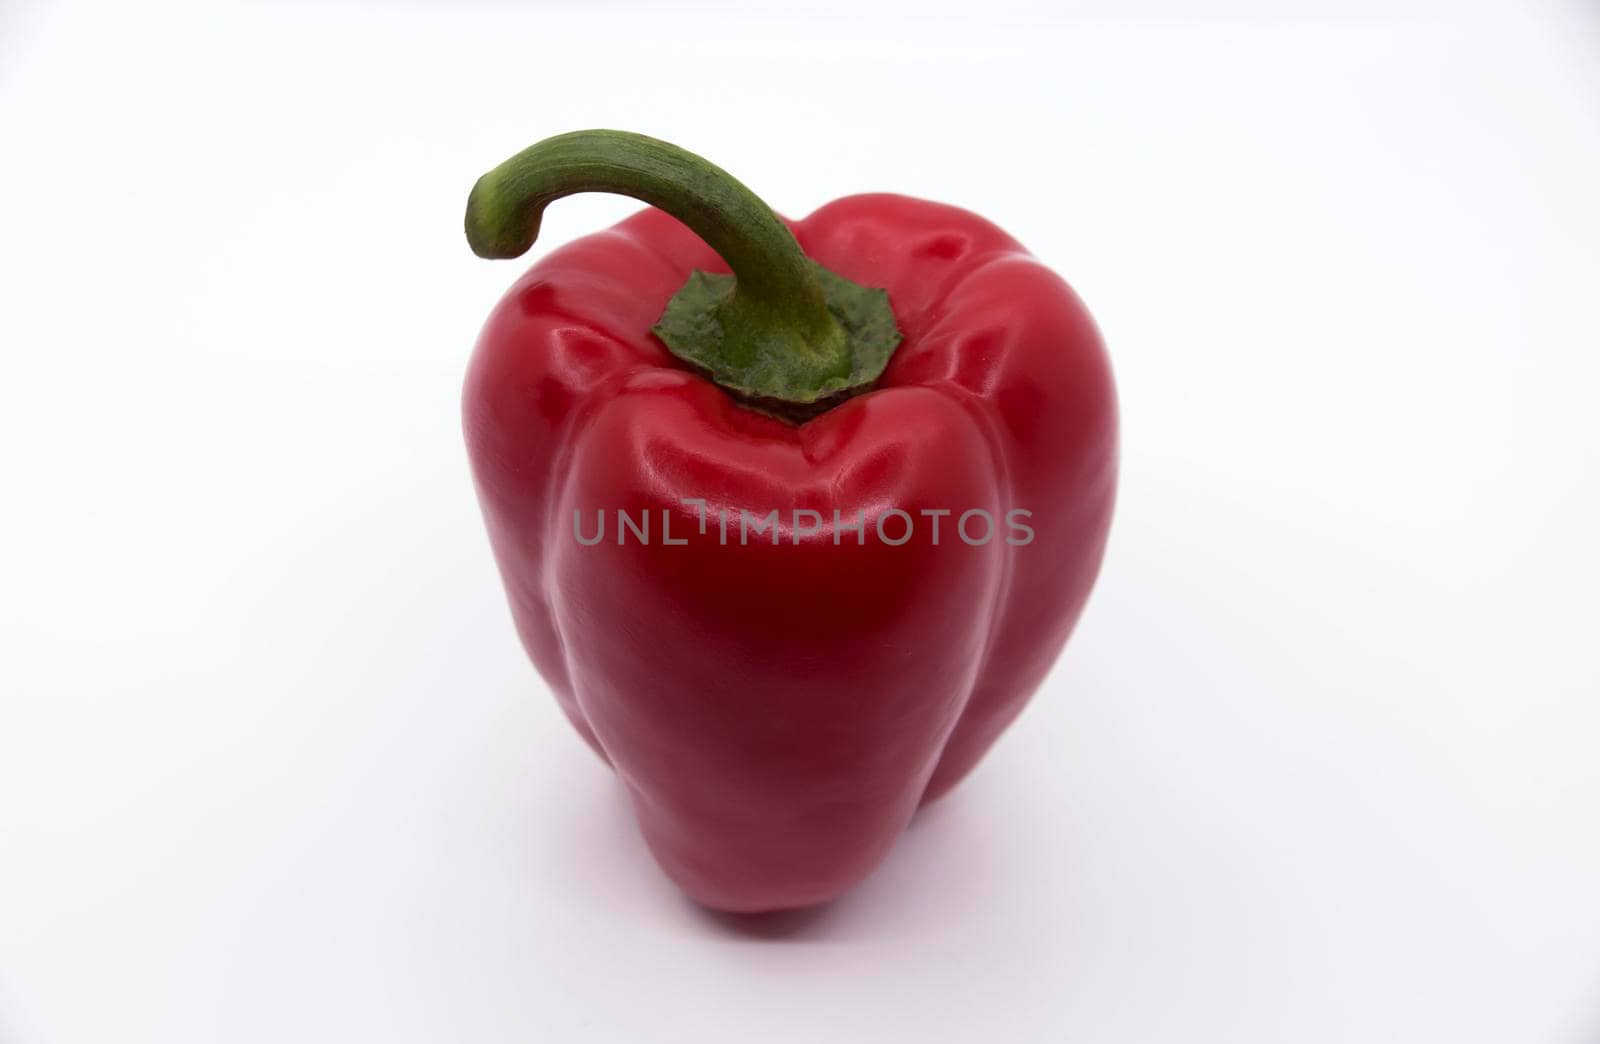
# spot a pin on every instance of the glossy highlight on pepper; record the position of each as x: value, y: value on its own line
x: 778, y: 710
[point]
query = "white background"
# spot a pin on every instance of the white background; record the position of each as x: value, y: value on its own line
x: 1320, y: 765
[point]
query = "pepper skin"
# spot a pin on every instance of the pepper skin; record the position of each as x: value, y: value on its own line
x: 778, y: 711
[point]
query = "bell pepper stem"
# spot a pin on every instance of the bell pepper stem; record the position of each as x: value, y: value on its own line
x: 782, y: 334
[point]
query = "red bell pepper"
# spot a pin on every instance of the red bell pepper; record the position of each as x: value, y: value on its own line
x: 791, y: 545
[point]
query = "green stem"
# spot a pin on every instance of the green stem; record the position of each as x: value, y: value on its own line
x: 775, y: 283
x: 782, y: 333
